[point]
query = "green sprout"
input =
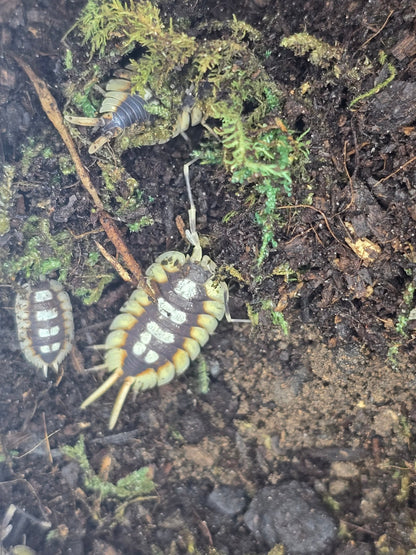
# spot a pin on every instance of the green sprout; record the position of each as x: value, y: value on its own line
x: 277, y: 317
x: 134, y: 484
x: 91, y: 294
x: 377, y: 88
x: 202, y: 375
x: 68, y: 61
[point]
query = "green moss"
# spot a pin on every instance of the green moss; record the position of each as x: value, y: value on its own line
x: 202, y: 375
x: 91, y: 294
x: 30, y: 151
x: 66, y: 165
x: 42, y: 251
x: 47, y: 153
x: 136, y: 483
x: 133, y: 23
x: 277, y: 317
x: 6, y: 197
x: 409, y: 293
x: 392, y: 355
x: 123, y: 196
x: 90, y: 280
x: 377, y: 88
x: 145, y: 221
x: 68, y: 61
x: 319, y: 52
x: 224, y: 80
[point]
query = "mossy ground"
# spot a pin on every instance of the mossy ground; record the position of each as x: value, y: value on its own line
x: 335, y: 395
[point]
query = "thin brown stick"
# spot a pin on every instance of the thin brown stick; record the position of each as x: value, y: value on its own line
x: 114, y: 263
x: 37, y: 445
x: 48, y: 446
x: 400, y: 168
x: 294, y: 206
x: 379, y: 31
x: 114, y: 235
x: 51, y: 109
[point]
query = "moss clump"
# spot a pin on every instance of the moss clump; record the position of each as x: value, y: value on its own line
x: 91, y: 294
x: 136, y: 483
x: 42, y: 252
x: 377, y: 88
x: 131, y: 24
x: 123, y: 196
x: 90, y: 280
x: 220, y: 78
x: 319, y: 53
x: 6, y: 197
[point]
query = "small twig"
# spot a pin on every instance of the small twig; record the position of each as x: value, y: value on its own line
x: 379, y: 31
x: 37, y: 445
x: 294, y: 206
x: 400, y: 168
x: 113, y: 234
x: 48, y: 446
x: 52, y: 111
x: 85, y: 234
x: 180, y: 226
x: 114, y: 263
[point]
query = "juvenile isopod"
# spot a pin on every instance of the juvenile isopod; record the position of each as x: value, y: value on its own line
x: 45, y: 325
x: 121, y: 109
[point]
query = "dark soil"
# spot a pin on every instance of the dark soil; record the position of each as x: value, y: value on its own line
x: 332, y: 404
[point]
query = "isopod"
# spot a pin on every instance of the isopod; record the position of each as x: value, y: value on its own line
x: 45, y: 325
x: 122, y: 109
x: 154, y: 339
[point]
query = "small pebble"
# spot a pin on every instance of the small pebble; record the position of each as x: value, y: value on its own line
x: 344, y: 469
x: 227, y: 500
x: 338, y: 487
x: 292, y: 514
x: 192, y: 428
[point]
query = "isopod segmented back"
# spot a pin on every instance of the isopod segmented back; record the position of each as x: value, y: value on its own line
x: 45, y: 325
x: 152, y: 340
x: 156, y: 337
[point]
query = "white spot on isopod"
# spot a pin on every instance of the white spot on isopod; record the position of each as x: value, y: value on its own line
x: 151, y: 357
x: 159, y: 333
x: 46, y: 349
x: 48, y: 332
x: 42, y: 296
x: 145, y: 337
x: 169, y: 311
x: 186, y: 289
x: 138, y: 348
x: 45, y: 315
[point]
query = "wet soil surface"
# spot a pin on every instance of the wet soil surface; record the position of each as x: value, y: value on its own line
x: 331, y: 406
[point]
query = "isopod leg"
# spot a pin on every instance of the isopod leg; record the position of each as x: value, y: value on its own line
x: 192, y: 234
x: 85, y: 122
x: 111, y: 380
x: 119, y: 402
